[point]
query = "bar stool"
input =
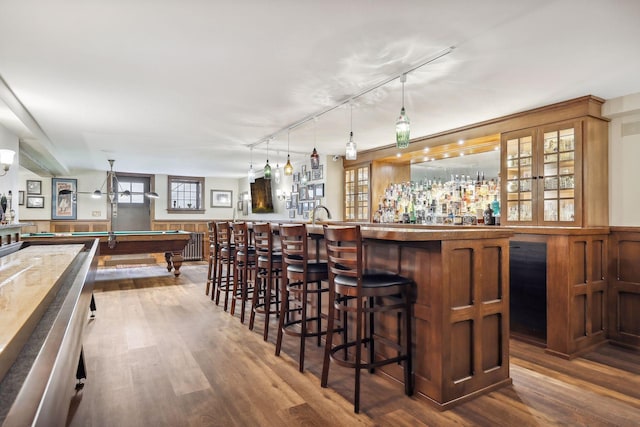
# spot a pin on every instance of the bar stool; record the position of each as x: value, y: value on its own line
x: 303, y: 280
x: 226, y: 253
x: 268, y: 274
x: 354, y: 291
x: 213, y: 258
x: 245, y: 260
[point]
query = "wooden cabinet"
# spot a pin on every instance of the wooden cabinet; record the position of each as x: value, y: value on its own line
x: 356, y: 193
x: 544, y: 175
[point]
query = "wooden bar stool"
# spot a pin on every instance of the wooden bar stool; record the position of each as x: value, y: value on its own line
x: 226, y: 265
x: 357, y: 292
x: 213, y: 258
x: 245, y: 258
x: 268, y: 274
x: 303, y: 280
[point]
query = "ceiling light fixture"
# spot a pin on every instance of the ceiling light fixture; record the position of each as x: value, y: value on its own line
x: 402, y: 124
x: 276, y: 173
x: 267, y: 168
x: 6, y: 160
x: 315, y: 157
x: 251, y: 175
x: 351, y: 153
x: 381, y: 83
x: 288, y: 168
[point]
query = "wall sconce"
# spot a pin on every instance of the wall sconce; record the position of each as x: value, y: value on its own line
x: 6, y: 160
x: 281, y: 195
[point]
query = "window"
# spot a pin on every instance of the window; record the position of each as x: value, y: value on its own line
x: 186, y: 194
x: 136, y: 189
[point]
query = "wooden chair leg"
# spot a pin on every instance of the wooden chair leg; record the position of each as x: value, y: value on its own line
x: 328, y: 342
x: 284, y: 307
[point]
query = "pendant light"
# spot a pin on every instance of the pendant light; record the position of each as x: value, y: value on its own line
x: 403, y: 123
x: 315, y: 157
x: 288, y: 168
x: 251, y: 175
x: 351, y: 152
x: 267, y: 168
x: 276, y: 174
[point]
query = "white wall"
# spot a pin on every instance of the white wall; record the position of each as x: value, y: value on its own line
x: 624, y: 159
x: 333, y: 189
x: 9, y: 182
x: 210, y: 183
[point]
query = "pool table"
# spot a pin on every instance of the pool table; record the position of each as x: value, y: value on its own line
x: 172, y: 243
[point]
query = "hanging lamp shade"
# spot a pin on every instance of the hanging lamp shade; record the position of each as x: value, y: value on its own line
x: 267, y: 170
x: 251, y: 175
x: 288, y: 168
x: 315, y: 159
x: 267, y: 167
x: 403, y: 123
x: 277, y: 176
x: 351, y: 152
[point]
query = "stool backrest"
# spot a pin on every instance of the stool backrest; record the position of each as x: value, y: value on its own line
x: 212, y: 233
x: 223, y: 233
x: 293, y: 238
x: 240, y: 234
x: 263, y: 238
x: 344, y: 251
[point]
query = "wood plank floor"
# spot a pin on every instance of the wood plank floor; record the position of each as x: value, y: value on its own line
x: 160, y: 353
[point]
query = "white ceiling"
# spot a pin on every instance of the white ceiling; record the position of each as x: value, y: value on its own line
x: 184, y: 87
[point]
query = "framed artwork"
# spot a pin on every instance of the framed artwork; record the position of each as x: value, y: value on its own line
x: 35, y: 201
x: 64, y: 206
x: 304, y: 169
x: 221, y: 198
x: 292, y: 213
x: 34, y: 187
x: 21, y: 198
x: 294, y: 200
x: 287, y: 204
x: 316, y: 174
x: 294, y: 188
x: 305, y: 215
x: 300, y: 209
x: 310, y: 191
x: 296, y: 177
x: 303, y: 193
x: 319, y: 190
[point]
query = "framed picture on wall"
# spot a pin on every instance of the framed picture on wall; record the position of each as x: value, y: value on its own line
x: 21, y: 198
x: 316, y: 174
x: 63, y: 198
x: 35, y: 202
x: 221, y: 198
x: 34, y: 187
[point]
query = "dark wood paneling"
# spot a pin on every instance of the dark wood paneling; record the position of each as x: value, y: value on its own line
x: 623, y: 296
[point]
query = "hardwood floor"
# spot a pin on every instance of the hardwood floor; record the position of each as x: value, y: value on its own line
x: 161, y: 353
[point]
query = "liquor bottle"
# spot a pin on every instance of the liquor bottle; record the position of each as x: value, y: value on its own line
x: 488, y: 215
x: 495, y: 206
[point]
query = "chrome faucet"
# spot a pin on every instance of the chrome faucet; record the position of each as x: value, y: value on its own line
x: 313, y: 213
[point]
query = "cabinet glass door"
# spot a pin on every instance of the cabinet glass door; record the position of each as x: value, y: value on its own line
x: 519, y: 179
x: 356, y: 194
x: 559, y: 175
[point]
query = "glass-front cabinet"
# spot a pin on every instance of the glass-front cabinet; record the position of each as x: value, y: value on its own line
x: 356, y: 193
x: 542, y: 170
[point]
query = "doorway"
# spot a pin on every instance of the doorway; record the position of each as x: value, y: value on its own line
x: 133, y: 211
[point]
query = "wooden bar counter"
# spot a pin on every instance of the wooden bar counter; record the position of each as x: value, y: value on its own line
x: 45, y: 291
x: 461, y: 311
